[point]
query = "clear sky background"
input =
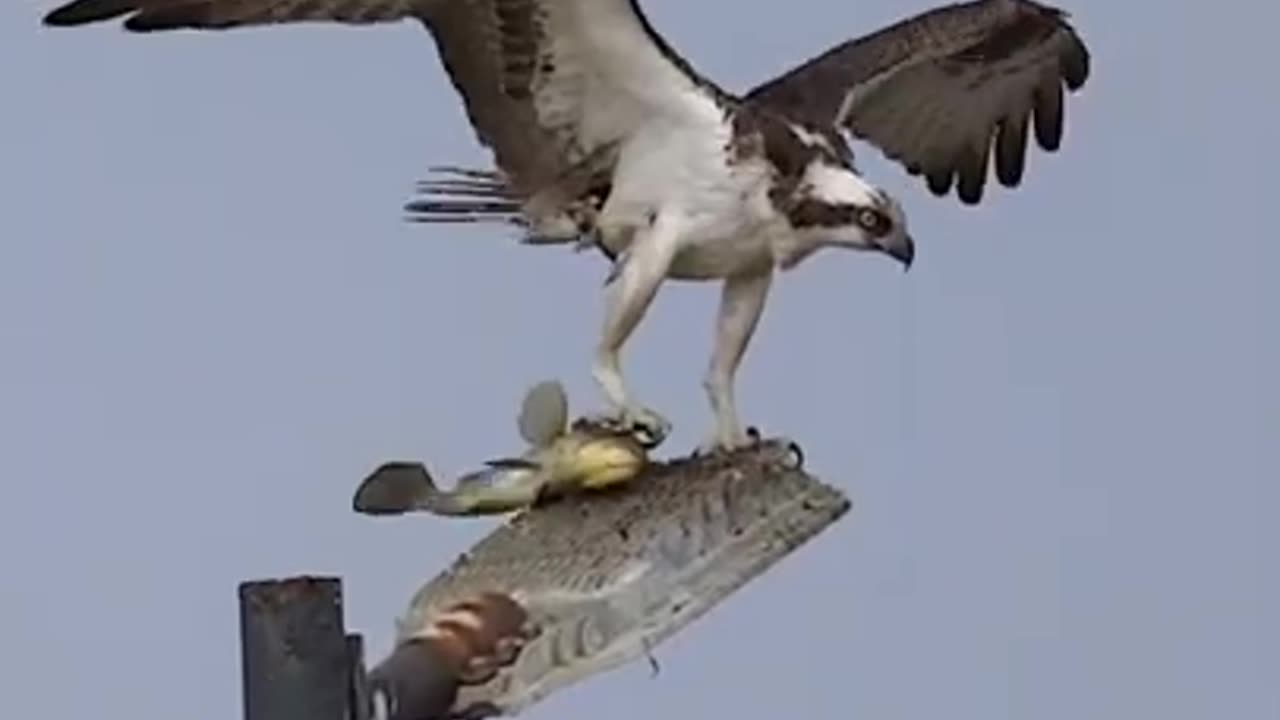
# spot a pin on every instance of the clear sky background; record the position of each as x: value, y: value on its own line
x: 1061, y: 429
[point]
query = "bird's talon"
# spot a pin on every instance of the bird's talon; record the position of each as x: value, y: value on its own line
x: 647, y: 427
x: 795, y: 455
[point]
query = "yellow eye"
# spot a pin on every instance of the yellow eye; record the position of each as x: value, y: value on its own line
x: 871, y: 219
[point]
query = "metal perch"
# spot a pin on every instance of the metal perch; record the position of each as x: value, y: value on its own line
x: 582, y: 585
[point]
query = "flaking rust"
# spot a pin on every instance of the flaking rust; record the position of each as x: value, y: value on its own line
x: 599, y: 581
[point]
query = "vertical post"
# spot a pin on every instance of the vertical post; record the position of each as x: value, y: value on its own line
x: 359, y: 702
x: 295, y: 656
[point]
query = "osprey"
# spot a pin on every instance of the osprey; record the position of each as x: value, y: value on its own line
x: 603, y: 136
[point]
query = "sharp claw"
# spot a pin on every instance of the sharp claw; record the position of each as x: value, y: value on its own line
x: 647, y: 427
x: 797, y: 453
x: 649, y: 436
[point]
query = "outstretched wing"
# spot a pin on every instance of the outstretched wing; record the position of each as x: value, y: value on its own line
x: 937, y: 91
x: 155, y: 15
x: 547, y: 84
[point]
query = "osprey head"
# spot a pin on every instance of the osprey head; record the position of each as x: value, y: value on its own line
x: 833, y: 205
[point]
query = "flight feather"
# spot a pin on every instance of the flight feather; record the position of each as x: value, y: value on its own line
x: 551, y: 88
x: 945, y: 90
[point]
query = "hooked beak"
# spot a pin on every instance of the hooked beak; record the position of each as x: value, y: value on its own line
x: 903, y: 249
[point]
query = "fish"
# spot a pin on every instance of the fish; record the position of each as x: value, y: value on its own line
x: 562, y: 458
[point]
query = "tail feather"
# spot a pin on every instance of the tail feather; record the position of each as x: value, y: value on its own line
x: 458, y: 188
x: 464, y: 195
x: 490, y: 175
x: 436, y: 211
x: 460, y: 195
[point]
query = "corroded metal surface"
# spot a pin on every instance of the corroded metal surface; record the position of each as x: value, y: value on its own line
x: 294, y: 654
x: 605, y: 578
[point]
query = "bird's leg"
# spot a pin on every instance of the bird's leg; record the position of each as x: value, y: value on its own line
x: 741, y: 305
x: 630, y: 290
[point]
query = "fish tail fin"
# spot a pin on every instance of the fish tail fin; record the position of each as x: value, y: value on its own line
x: 395, y: 488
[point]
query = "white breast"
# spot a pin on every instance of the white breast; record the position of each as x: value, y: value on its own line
x: 676, y: 168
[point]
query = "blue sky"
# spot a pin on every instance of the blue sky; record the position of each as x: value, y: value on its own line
x: 1058, y: 429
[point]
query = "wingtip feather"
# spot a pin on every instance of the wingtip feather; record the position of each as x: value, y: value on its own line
x: 1076, y: 64
x: 84, y: 12
x: 1011, y: 149
x: 1075, y: 57
x: 1048, y: 110
x: 940, y: 181
x: 971, y: 171
x: 156, y: 21
x: 142, y: 20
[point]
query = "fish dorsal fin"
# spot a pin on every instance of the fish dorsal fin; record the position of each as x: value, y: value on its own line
x: 544, y: 414
x: 478, y: 478
x: 492, y: 470
x: 512, y: 464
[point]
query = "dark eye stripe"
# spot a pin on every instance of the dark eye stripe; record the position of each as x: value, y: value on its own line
x: 816, y: 213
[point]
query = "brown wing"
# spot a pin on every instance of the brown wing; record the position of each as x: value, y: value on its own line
x: 944, y: 90
x: 554, y: 86
x: 153, y: 15
x: 485, y: 45
x: 549, y: 85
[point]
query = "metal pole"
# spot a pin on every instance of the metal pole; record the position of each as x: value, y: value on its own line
x: 295, y: 656
x: 359, y: 701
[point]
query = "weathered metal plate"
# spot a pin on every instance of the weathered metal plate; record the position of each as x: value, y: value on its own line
x: 605, y: 578
x: 294, y: 653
